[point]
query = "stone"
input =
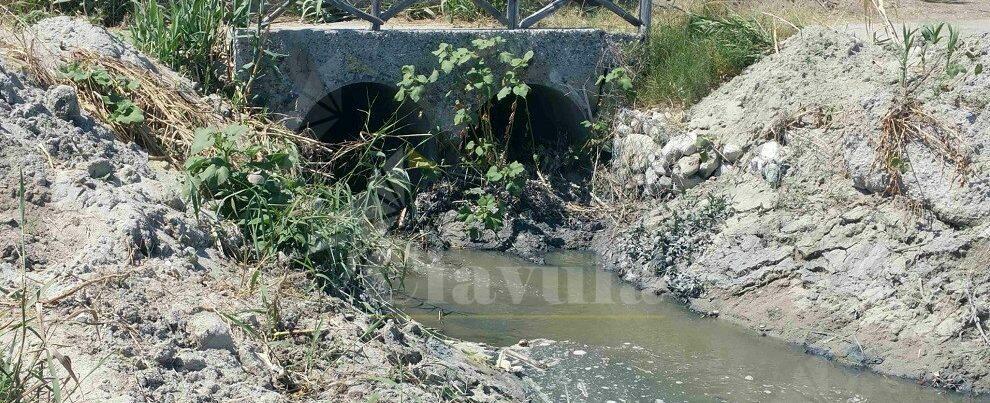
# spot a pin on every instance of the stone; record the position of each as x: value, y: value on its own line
x: 685, y: 183
x: 9, y: 85
x: 99, y: 168
x: 623, y: 130
x: 769, y: 163
x: 731, y: 152
x: 688, y: 144
x: 708, y: 166
x: 191, y: 360
x: 208, y: 331
x: 689, y: 165
x: 636, y: 125
x: 677, y: 147
x: 63, y: 102
x: 634, y: 155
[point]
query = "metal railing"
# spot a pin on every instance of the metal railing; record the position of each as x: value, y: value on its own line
x: 508, y: 19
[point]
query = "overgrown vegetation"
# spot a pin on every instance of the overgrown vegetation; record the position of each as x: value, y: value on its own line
x: 189, y: 35
x: 687, y: 56
x: 113, y: 92
x: 482, y: 74
x: 289, y: 216
x: 924, y: 66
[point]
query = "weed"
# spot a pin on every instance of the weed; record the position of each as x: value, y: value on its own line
x: 907, y: 122
x: 28, y: 370
x: 114, y: 92
x: 188, y: 35
x: 686, y: 57
x: 482, y: 75
x: 106, y: 12
x: 287, y: 217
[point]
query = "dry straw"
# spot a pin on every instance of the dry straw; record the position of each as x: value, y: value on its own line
x: 172, y: 111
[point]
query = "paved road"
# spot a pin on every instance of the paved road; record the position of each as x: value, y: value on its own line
x: 966, y: 27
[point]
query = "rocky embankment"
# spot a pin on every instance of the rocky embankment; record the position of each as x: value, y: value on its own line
x: 138, y: 295
x: 776, y: 215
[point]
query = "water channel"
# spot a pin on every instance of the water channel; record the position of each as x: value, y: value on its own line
x: 615, y: 343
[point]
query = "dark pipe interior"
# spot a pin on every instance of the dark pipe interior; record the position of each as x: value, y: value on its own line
x: 346, y: 113
x: 546, y: 124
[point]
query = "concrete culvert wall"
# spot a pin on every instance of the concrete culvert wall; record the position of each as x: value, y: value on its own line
x: 546, y: 123
x: 355, y: 112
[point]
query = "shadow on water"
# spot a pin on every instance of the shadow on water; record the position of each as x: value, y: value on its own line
x: 617, y: 343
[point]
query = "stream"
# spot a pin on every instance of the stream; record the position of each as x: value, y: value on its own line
x: 615, y: 343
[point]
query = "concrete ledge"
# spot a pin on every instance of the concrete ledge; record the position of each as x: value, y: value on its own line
x: 320, y: 59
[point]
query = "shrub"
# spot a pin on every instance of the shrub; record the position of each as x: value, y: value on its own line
x: 288, y: 217
x: 486, y: 75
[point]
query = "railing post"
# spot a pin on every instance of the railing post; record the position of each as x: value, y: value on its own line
x: 645, y: 16
x: 512, y: 14
x: 376, y: 10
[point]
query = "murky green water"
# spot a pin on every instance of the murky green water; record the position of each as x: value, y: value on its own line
x: 623, y: 345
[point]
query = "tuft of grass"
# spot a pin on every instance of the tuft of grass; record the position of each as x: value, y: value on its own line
x: 906, y: 123
x: 686, y: 57
x: 923, y: 69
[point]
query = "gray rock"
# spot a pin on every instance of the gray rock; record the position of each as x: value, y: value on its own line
x: 708, y: 166
x: 688, y: 144
x: 63, y: 102
x: 99, y: 168
x: 209, y: 331
x: 9, y: 85
x: 731, y: 152
x: 769, y: 153
x: 689, y: 165
x: 674, y: 149
x: 684, y: 183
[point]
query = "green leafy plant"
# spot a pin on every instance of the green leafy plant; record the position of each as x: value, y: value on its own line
x: 287, y: 216
x: 481, y: 74
x: 471, y: 67
x: 113, y: 91
x: 616, y: 87
x: 488, y: 211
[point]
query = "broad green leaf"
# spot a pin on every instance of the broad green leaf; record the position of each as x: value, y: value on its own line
x: 204, y: 138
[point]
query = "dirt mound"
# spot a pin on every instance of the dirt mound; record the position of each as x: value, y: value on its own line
x: 799, y: 240
x: 135, y: 291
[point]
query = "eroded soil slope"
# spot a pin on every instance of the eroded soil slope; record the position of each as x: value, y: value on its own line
x: 778, y: 213
x: 136, y: 293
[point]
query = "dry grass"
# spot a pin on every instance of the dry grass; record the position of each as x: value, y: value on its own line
x: 908, y: 123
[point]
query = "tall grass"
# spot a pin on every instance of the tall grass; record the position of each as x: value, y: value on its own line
x: 686, y: 57
x: 189, y: 35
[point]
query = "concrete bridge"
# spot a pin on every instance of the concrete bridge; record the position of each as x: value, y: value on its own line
x: 336, y: 80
